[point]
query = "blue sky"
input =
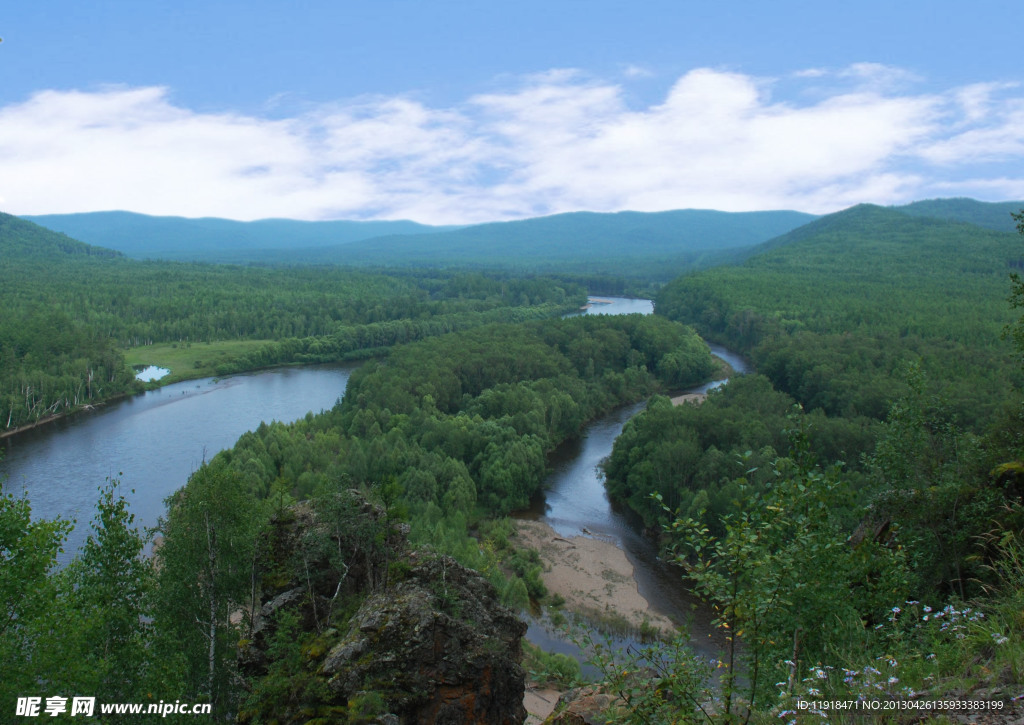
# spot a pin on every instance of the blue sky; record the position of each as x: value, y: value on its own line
x: 455, y: 111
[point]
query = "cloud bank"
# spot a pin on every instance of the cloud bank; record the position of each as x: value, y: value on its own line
x: 558, y: 141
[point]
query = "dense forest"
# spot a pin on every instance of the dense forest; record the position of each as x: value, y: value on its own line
x: 445, y: 434
x: 71, y: 310
x: 852, y: 509
x: 829, y: 311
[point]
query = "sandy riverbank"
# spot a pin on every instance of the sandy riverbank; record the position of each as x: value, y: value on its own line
x: 592, y: 575
x: 595, y: 579
x: 695, y: 398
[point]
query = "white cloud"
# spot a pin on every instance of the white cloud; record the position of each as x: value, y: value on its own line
x: 637, y: 71
x: 555, y: 141
x: 879, y: 76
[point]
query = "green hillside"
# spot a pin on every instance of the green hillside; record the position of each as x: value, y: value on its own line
x: 831, y: 309
x: 23, y: 239
x: 50, y: 361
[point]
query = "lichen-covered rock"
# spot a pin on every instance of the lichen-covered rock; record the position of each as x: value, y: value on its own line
x: 354, y: 626
x: 437, y: 646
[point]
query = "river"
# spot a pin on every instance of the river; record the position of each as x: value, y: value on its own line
x: 574, y: 502
x: 153, y: 441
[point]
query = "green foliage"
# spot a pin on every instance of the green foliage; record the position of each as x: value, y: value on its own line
x: 550, y: 669
x: 926, y: 653
x: 527, y: 565
x: 291, y: 684
x: 207, y: 558
x: 783, y: 578
x: 931, y: 480
x: 28, y: 551
x: 691, y: 455
x: 86, y: 628
x: 661, y: 684
x: 108, y: 591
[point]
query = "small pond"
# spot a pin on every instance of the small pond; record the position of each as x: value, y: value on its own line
x: 150, y: 373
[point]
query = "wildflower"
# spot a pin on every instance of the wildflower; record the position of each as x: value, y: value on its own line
x: 893, y: 680
x: 820, y: 673
x: 927, y: 608
x: 912, y: 602
x: 896, y: 610
x: 999, y: 638
x: 930, y: 657
x: 813, y: 691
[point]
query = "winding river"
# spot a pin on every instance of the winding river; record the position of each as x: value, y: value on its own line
x: 153, y: 441
x: 574, y: 503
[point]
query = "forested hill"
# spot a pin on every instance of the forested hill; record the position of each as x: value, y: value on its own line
x: 25, y: 240
x: 981, y: 213
x: 831, y: 310
x: 212, y: 239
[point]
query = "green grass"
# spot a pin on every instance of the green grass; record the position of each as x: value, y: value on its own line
x: 187, y: 361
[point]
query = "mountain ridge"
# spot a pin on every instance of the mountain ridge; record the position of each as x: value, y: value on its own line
x: 144, y: 236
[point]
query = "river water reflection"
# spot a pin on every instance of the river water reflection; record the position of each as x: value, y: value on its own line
x: 154, y: 440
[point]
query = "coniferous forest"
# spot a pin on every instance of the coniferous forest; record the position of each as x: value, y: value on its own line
x: 851, y: 509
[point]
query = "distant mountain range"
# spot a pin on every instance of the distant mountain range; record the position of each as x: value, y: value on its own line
x: 656, y: 245
x: 607, y: 243
x: 584, y: 241
x: 168, y: 237
x: 991, y: 215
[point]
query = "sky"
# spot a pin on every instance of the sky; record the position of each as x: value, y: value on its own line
x: 466, y: 111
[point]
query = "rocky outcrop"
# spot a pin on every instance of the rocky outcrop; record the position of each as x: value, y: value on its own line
x: 355, y: 627
x: 436, y: 646
x: 585, y: 706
